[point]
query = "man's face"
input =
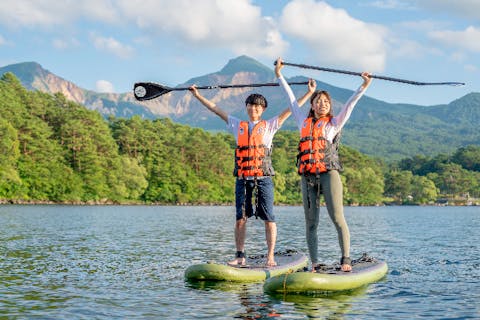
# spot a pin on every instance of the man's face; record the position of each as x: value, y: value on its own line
x: 254, y: 111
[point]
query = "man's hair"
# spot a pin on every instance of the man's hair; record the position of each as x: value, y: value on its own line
x: 256, y: 98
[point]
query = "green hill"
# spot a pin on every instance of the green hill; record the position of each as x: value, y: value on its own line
x: 376, y: 128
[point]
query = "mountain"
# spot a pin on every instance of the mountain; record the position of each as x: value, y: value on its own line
x: 463, y: 110
x: 240, y: 70
x: 377, y: 128
x: 34, y: 77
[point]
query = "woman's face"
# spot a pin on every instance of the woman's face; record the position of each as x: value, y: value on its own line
x: 321, y: 106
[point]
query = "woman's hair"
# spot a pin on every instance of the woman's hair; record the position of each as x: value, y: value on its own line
x: 256, y: 98
x: 316, y: 94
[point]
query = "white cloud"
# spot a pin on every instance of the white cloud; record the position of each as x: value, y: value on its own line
x: 2, y: 41
x: 97, y: 10
x: 112, y: 46
x: 421, y: 26
x: 401, y: 43
x: 30, y: 13
x: 463, y: 8
x: 104, y: 86
x: 470, y: 68
x: 406, y: 48
x: 233, y: 24
x: 269, y: 44
x: 468, y: 39
x: 389, y: 4
x: 334, y: 36
x: 49, y: 14
x: 64, y: 44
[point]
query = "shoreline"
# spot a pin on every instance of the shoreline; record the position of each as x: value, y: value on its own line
x: 453, y: 203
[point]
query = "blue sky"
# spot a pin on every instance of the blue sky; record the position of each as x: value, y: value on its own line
x: 107, y: 45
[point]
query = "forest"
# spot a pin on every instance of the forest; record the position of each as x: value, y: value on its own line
x: 56, y: 151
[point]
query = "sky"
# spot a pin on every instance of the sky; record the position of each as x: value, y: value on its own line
x: 108, y: 45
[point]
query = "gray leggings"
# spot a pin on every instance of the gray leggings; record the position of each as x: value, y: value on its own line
x: 330, y: 185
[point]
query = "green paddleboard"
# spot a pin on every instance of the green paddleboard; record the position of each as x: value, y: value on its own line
x: 329, y: 278
x: 254, y: 271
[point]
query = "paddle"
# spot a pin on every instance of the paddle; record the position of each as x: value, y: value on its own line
x: 417, y: 83
x: 148, y: 90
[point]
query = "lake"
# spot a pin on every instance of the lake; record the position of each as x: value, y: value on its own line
x: 128, y: 262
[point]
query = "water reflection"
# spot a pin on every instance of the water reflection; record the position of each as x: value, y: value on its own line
x: 122, y: 262
x: 322, y: 305
x: 255, y: 304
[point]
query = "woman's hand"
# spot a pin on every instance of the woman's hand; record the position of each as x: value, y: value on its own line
x: 193, y: 89
x: 312, y: 85
x: 278, y: 67
x: 366, y: 79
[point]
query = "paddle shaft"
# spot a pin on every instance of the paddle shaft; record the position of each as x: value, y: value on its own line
x: 252, y: 85
x: 304, y: 66
x: 148, y: 90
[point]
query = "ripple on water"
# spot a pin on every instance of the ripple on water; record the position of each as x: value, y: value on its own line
x: 125, y: 262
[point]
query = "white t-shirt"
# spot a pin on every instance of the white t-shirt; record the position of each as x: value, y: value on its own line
x: 271, y: 127
x: 337, y: 122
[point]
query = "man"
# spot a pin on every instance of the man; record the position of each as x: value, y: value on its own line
x: 253, y: 169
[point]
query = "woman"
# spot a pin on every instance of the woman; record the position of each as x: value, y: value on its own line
x: 318, y: 161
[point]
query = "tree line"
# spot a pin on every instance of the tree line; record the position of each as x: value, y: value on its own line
x: 54, y: 150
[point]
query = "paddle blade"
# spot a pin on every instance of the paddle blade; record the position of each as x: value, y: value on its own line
x: 148, y: 90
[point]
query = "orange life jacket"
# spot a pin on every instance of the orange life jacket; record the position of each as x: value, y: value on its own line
x: 252, y: 157
x: 316, y: 154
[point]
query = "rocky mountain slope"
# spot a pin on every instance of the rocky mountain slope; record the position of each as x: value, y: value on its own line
x: 389, y: 131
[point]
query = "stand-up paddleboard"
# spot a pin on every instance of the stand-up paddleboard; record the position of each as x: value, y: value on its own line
x: 329, y: 277
x: 254, y: 270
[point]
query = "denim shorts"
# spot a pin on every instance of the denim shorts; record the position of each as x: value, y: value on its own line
x: 244, y: 198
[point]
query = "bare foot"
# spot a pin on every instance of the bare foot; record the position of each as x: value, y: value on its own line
x: 237, y: 262
x: 346, y: 264
x: 271, y: 262
x: 346, y: 268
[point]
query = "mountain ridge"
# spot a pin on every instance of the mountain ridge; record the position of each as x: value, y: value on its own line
x: 388, y: 130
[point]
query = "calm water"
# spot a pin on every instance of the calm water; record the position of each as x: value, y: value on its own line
x: 127, y: 262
